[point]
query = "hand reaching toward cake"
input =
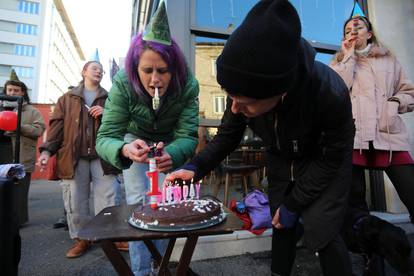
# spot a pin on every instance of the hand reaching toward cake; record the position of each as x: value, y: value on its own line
x: 180, y: 174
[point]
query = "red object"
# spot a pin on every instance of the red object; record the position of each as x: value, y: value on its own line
x: 153, y: 192
x: 8, y: 120
x: 46, y: 110
x: 52, y: 168
x: 247, y: 223
x: 380, y: 158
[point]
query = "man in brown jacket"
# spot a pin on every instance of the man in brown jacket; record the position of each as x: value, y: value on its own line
x: 72, y: 135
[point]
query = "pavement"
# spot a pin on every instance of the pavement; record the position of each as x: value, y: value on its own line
x: 44, y: 248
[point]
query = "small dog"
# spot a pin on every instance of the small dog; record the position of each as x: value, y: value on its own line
x: 375, y: 239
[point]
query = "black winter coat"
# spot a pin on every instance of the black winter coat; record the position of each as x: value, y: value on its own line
x: 308, y: 139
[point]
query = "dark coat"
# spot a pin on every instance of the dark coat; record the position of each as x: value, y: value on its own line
x: 308, y: 139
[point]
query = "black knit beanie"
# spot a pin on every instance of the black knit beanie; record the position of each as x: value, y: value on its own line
x: 260, y: 58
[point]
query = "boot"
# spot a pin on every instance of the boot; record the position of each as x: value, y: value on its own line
x: 78, y: 248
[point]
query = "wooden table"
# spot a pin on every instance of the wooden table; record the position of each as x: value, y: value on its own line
x: 111, y: 225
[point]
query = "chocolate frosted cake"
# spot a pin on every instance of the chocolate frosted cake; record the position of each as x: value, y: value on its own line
x: 185, y: 215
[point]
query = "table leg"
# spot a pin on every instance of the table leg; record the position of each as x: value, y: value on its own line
x: 166, y: 259
x: 160, y: 261
x: 186, y: 255
x: 115, y: 257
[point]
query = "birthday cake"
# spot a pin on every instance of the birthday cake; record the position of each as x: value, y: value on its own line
x: 178, y: 216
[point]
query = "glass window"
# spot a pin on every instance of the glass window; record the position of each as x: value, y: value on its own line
x: 206, y: 53
x: 6, y: 48
x: 5, y: 70
x: 226, y: 14
x: 24, y: 72
x: 26, y: 29
x: 22, y: 5
x: 29, y: 7
x: 213, y: 67
x: 322, y: 20
x: 324, y: 58
x: 219, y: 104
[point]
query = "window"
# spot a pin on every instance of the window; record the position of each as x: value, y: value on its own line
x: 324, y: 58
x: 24, y: 50
x: 29, y: 7
x: 6, y: 48
x: 225, y: 14
x: 24, y: 72
x: 326, y: 15
x: 219, y: 104
x: 26, y: 29
x: 213, y: 67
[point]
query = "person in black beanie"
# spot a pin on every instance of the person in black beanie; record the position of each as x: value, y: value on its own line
x: 301, y: 110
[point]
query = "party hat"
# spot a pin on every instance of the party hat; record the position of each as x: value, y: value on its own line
x: 13, y: 76
x: 357, y: 11
x: 95, y: 56
x: 158, y: 29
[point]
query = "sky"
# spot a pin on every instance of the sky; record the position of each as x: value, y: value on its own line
x: 102, y: 24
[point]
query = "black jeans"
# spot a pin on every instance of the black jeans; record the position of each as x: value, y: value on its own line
x: 334, y: 258
x: 400, y: 175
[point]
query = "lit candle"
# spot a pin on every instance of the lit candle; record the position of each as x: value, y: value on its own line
x: 176, y: 194
x: 192, y: 191
x: 179, y: 193
x: 198, y: 189
x: 163, y: 193
x: 185, y: 191
x: 168, y: 194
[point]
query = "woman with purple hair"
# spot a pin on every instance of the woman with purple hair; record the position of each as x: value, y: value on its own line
x: 153, y: 101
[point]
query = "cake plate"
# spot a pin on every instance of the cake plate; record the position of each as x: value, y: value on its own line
x: 177, y: 228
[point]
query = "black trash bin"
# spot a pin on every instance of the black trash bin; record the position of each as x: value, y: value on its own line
x: 10, y: 243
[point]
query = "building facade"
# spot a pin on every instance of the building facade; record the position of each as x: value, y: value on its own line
x: 38, y: 41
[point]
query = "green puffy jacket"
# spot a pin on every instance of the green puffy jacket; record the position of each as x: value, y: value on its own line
x: 176, y: 123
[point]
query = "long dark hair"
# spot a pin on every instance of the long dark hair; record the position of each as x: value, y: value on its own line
x: 171, y: 54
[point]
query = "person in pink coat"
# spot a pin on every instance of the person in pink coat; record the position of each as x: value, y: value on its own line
x: 380, y: 91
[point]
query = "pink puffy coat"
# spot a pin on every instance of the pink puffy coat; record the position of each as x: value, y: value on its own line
x: 372, y: 81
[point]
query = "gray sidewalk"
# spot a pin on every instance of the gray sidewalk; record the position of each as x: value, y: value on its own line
x: 44, y: 248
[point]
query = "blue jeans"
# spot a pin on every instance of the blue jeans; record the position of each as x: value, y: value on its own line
x: 136, y: 187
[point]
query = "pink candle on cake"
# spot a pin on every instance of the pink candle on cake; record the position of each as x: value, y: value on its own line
x: 168, y: 194
x: 192, y: 191
x: 179, y: 193
x: 176, y: 194
x: 198, y: 190
x: 163, y: 193
x: 185, y: 191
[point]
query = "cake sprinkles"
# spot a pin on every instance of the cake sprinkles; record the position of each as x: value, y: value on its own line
x: 188, y: 214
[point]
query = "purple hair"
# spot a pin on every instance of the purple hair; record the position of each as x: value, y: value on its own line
x: 171, y: 54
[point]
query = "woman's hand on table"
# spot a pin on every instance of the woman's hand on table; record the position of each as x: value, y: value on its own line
x: 180, y: 174
x: 137, y: 151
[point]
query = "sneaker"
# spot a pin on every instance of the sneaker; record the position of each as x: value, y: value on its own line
x: 78, y: 248
x: 61, y: 223
x: 122, y: 246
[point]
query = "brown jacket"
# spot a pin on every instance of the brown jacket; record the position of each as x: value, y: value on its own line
x: 32, y: 127
x: 66, y: 127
